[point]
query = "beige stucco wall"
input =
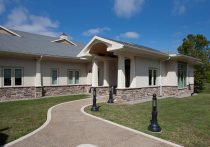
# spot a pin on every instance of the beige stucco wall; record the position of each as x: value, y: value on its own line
x: 62, y: 67
x: 28, y: 66
x: 29, y: 70
x: 89, y: 73
x: 190, y: 72
x: 170, y: 78
x: 142, y: 71
x: 170, y: 73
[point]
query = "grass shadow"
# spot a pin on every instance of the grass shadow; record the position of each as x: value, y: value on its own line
x: 3, y: 136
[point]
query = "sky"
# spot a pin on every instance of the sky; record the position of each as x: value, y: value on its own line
x: 158, y: 24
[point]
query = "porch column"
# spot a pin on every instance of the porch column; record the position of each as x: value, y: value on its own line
x: 95, y: 73
x: 121, y: 72
x: 132, y: 72
x: 106, y: 73
x: 38, y: 80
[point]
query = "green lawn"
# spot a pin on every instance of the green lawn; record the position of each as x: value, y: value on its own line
x: 18, y: 118
x: 206, y: 88
x: 184, y: 121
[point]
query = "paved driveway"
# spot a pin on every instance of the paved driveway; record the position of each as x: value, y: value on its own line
x: 69, y: 127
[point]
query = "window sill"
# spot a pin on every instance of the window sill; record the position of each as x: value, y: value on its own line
x: 65, y: 85
x: 12, y: 86
x: 182, y: 88
x: 127, y: 88
x: 153, y: 86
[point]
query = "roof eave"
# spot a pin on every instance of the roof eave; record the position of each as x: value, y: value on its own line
x: 37, y: 55
x: 190, y: 59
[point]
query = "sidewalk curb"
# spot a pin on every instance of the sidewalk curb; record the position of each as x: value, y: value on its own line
x: 132, y: 130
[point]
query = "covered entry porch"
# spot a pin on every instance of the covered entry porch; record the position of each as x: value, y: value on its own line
x: 118, y: 72
x: 109, y: 65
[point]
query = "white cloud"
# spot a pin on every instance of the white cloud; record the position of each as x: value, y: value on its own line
x: 181, y: 6
x: 127, y: 8
x: 2, y: 6
x: 129, y: 35
x: 96, y: 31
x: 21, y: 19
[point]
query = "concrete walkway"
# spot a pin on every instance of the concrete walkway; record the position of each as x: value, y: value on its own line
x: 69, y: 127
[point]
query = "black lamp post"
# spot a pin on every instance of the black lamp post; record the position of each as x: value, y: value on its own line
x: 94, y: 106
x: 154, y: 126
x: 110, y: 95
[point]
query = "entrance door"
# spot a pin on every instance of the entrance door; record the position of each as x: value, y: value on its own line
x: 127, y: 73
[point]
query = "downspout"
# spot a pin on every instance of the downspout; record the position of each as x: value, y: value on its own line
x: 161, y: 88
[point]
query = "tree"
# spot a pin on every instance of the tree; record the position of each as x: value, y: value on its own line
x: 198, y: 46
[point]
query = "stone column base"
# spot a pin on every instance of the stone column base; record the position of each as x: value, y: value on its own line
x: 101, y: 91
x: 38, y: 92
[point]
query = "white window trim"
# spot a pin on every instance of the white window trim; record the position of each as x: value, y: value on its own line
x: 21, y: 76
x: 74, y: 70
x: 152, y: 84
x: 7, y: 67
x: 51, y: 83
x: 12, y: 76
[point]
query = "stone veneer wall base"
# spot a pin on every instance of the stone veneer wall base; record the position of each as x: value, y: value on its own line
x: 132, y: 94
x: 15, y: 93
x: 65, y: 90
x: 129, y: 94
x: 101, y: 91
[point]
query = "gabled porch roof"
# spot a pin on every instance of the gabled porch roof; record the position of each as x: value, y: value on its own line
x: 121, y: 47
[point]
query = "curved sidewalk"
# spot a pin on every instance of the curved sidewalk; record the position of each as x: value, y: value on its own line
x: 69, y: 127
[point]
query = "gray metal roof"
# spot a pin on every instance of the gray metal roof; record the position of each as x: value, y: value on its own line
x: 36, y: 44
x: 137, y: 46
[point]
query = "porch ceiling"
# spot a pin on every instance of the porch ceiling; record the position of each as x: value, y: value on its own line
x: 100, y: 49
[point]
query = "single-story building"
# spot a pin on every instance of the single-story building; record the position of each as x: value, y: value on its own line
x: 34, y: 65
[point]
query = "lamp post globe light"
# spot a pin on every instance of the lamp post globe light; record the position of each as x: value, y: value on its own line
x: 154, y: 126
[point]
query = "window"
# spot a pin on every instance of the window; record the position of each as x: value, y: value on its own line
x: 54, y: 76
x: 76, y: 77
x: 18, y: 76
x: 182, y: 72
x: 7, y: 77
x: 73, y: 77
x: 12, y: 76
x: 152, y: 77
